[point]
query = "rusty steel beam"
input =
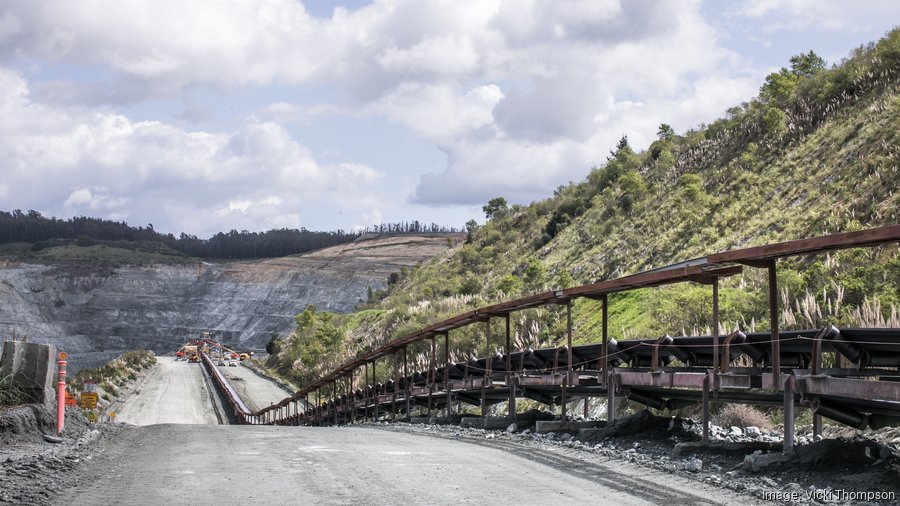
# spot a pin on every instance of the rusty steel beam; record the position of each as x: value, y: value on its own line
x: 871, y: 237
x: 658, y: 379
x: 697, y: 273
x: 468, y: 384
x: 553, y: 379
x: 851, y: 388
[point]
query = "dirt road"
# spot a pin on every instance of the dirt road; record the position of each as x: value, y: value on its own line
x: 256, y: 391
x: 174, y: 392
x: 192, y: 464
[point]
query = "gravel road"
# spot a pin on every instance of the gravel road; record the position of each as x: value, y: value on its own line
x: 173, y: 392
x: 256, y: 391
x: 191, y: 464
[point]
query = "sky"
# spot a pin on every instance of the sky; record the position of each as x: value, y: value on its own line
x: 213, y: 115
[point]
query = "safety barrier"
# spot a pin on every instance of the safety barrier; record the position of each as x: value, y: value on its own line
x: 242, y: 413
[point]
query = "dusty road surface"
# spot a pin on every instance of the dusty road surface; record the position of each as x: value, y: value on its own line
x: 193, y: 464
x: 256, y: 391
x: 174, y: 392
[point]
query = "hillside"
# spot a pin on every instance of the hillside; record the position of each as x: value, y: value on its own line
x: 815, y: 153
x: 96, y: 301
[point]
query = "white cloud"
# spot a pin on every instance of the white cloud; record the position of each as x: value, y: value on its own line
x: 521, y: 96
x: 370, y: 218
x: 302, y: 114
x: 502, y: 88
x: 439, y: 113
x: 77, y: 161
x: 96, y: 198
x: 783, y: 15
x: 9, y: 26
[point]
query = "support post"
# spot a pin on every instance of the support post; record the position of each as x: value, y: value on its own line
x: 562, y: 403
x: 569, y: 368
x: 604, y: 350
x: 487, y: 366
x: 406, y: 381
x: 706, y: 409
x: 334, y: 400
x: 789, y: 413
x: 610, y: 398
x: 351, y: 396
x: 510, y: 383
x: 432, y: 372
x: 374, y: 392
x: 394, y: 394
x: 447, y: 372
x: 366, y: 394
x: 61, y: 393
x: 773, y: 323
x: 715, y: 329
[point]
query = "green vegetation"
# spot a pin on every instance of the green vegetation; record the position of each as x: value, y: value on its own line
x: 116, y: 373
x: 815, y: 153
x: 86, y: 251
x: 11, y: 394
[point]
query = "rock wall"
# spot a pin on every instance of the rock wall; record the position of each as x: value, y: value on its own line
x: 95, y: 314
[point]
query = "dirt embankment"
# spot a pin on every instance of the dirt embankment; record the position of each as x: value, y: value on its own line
x: 32, y: 469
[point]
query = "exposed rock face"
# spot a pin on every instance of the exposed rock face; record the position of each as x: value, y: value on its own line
x: 94, y: 314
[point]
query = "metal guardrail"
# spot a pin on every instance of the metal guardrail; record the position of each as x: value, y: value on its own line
x: 242, y: 413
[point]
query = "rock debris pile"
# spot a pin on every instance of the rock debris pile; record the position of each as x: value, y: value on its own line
x: 32, y: 469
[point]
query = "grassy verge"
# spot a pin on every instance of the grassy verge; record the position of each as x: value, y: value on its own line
x: 116, y: 373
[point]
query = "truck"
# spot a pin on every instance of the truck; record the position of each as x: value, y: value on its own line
x: 191, y: 352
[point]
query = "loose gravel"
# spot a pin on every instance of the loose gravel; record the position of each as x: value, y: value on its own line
x: 815, y: 473
x: 33, y: 470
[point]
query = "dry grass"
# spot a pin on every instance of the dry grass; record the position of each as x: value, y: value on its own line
x: 740, y: 415
x: 11, y: 394
x: 808, y: 312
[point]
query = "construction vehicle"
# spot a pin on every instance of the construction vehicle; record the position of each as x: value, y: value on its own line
x: 191, y: 352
